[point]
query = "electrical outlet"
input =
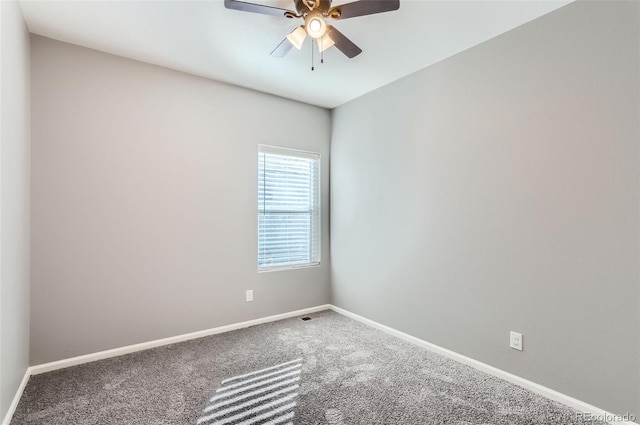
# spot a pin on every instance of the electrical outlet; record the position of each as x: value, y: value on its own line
x: 515, y: 340
x: 249, y: 295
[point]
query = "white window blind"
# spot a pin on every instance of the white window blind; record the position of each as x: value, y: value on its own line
x: 288, y: 208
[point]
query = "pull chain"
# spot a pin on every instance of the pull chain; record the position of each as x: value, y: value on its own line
x: 322, y: 50
x: 312, y: 67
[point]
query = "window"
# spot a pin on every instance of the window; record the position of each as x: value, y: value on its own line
x: 288, y: 208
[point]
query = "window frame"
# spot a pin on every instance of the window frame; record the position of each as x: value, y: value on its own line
x: 296, y: 153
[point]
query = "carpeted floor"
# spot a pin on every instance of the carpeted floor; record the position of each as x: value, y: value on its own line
x: 329, y: 370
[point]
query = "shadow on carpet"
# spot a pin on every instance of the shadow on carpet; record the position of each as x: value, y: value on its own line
x: 329, y: 370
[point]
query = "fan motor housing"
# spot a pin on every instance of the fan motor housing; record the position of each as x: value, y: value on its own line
x: 301, y: 8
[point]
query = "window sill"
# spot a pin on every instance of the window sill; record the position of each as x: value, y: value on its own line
x: 289, y: 267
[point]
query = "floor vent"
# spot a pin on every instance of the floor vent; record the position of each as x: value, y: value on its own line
x: 306, y: 318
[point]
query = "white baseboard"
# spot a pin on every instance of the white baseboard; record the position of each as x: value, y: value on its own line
x: 87, y: 358
x: 16, y: 398
x: 532, y: 386
x: 74, y: 361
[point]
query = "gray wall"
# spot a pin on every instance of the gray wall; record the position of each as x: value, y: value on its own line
x: 144, y: 202
x: 498, y: 190
x: 14, y: 201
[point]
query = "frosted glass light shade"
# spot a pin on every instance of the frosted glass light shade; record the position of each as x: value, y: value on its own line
x: 315, y: 25
x: 297, y: 36
x: 325, y: 42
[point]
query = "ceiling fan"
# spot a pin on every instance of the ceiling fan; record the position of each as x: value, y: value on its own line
x: 315, y: 13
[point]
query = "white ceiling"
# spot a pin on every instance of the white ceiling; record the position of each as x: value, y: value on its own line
x: 204, y: 38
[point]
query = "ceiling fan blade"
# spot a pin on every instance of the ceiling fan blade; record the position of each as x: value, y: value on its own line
x: 255, y: 8
x: 366, y: 7
x: 343, y: 44
x: 282, y: 49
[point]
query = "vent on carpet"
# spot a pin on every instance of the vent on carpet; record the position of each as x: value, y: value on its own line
x: 262, y: 397
x: 306, y: 318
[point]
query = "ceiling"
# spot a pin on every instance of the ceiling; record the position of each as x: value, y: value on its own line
x: 205, y: 39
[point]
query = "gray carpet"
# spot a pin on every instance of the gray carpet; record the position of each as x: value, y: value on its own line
x: 329, y: 370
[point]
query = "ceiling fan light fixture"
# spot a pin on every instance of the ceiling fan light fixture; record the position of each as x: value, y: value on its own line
x: 315, y: 25
x: 297, y: 36
x: 325, y: 42
x: 314, y: 13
